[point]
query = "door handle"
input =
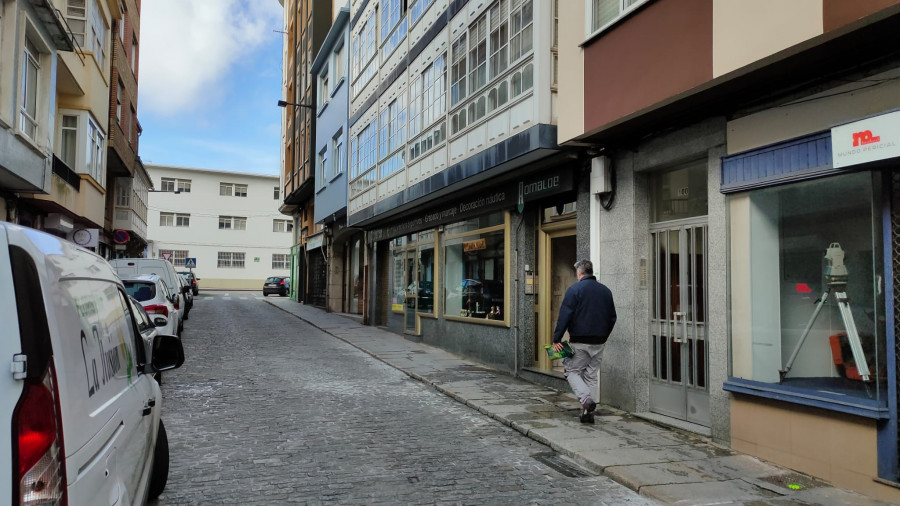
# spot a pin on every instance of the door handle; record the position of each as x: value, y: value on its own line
x: 678, y: 317
x: 146, y: 411
x: 151, y: 402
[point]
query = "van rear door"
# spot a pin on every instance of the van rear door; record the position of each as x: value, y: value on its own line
x: 10, y: 388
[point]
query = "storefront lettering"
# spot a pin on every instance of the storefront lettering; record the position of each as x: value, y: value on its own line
x: 473, y: 205
x: 550, y: 183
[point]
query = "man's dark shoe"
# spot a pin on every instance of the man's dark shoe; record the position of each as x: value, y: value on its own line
x: 587, y: 417
x: 589, y: 406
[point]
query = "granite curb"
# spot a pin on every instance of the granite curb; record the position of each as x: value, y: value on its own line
x: 665, y: 464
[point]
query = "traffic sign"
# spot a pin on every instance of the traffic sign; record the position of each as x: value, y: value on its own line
x: 190, y: 263
x: 121, y: 236
x: 167, y: 255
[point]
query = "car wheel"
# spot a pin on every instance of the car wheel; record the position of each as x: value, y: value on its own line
x: 196, y: 292
x: 159, y: 475
x: 283, y: 294
x: 265, y: 294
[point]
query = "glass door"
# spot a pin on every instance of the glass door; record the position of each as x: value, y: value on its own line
x: 411, y: 304
x: 678, y: 341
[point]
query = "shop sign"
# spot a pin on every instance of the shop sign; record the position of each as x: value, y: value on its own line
x: 314, y: 241
x: 476, y: 245
x: 866, y: 141
x: 501, y: 197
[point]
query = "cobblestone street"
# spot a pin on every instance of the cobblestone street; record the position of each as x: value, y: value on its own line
x: 270, y: 410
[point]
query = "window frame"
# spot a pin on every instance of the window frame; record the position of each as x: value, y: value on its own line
x: 625, y: 9
x: 233, y: 223
x: 230, y: 260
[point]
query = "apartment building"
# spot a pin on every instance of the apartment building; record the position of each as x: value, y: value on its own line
x: 126, y: 176
x: 750, y: 237
x: 306, y: 23
x: 33, y: 39
x: 339, y: 247
x: 227, y: 222
x: 455, y: 175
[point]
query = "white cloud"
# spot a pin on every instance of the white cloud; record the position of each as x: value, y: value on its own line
x: 187, y: 47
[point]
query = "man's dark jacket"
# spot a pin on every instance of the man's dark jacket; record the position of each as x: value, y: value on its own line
x: 587, y: 312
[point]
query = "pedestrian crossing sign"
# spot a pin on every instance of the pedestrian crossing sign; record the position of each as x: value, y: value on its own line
x: 190, y: 263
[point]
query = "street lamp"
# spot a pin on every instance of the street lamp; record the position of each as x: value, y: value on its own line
x: 282, y: 103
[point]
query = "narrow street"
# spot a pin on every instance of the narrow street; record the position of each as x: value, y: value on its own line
x: 269, y: 410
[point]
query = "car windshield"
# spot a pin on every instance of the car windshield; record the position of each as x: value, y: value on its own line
x: 140, y: 290
x: 273, y: 280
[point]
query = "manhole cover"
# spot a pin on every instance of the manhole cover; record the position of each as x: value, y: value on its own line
x: 794, y: 481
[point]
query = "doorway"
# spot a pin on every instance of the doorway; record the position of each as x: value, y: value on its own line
x: 556, y: 273
x: 679, y: 365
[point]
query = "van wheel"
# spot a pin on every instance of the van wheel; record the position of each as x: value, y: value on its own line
x: 160, y: 473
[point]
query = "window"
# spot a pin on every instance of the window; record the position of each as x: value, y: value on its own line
x: 277, y: 193
x: 363, y: 152
x: 393, y: 14
x: 76, y: 18
x: 174, y: 220
x: 282, y: 226
x: 393, y: 137
x: 123, y: 195
x: 363, y: 48
x: 339, y: 157
x: 97, y: 44
x: 323, y: 87
x: 419, y: 7
x: 478, y: 54
x: 521, y: 37
x: 134, y: 48
x: 121, y: 23
x: 458, y: 70
x: 320, y: 167
x: 69, y: 137
x: 171, y: 184
x: 337, y: 65
x: 95, y: 152
x: 602, y: 13
x: 184, y: 185
x: 794, y: 238
x: 474, y: 268
x: 119, y: 87
x: 230, y: 260
x: 232, y: 223
x: 428, y: 94
x: 499, y: 38
x: 232, y: 190
x: 31, y: 68
x: 281, y: 261
x: 176, y: 256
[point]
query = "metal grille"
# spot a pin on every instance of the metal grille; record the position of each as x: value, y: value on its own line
x: 318, y: 278
x: 895, y: 260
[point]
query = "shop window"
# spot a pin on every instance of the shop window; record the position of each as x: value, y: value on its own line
x: 425, y: 282
x: 474, y: 269
x: 807, y: 267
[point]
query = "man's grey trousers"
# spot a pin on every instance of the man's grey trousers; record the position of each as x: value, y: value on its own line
x: 581, y: 370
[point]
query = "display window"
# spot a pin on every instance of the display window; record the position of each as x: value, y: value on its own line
x: 475, y: 269
x: 807, y: 287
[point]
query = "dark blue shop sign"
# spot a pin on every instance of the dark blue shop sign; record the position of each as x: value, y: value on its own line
x: 513, y: 194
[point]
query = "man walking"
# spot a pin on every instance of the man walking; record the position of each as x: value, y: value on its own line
x: 588, y: 313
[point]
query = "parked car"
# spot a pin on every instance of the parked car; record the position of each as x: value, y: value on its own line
x: 185, y: 285
x: 131, y: 267
x: 277, y: 284
x: 146, y: 328
x: 80, y: 401
x: 195, y: 287
x: 156, y: 298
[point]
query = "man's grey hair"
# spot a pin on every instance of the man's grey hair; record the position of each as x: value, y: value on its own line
x: 585, y: 267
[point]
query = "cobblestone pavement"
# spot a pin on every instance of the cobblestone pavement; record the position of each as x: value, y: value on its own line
x: 270, y: 410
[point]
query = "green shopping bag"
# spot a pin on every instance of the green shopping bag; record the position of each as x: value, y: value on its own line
x: 565, y: 352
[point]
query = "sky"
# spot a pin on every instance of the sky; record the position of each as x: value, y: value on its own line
x: 209, y: 78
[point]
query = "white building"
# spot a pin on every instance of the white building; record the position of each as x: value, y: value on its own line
x: 228, y: 221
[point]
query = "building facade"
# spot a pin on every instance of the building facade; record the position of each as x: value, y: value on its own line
x: 341, y: 248
x: 306, y: 23
x: 126, y: 177
x: 469, y: 207
x: 749, y: 238
x: 227, y: 222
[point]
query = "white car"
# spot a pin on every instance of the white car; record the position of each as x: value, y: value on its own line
x: 131, y: 267
x: 79, y: 398
x: 157, y: 299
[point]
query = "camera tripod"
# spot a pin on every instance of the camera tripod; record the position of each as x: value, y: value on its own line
x: 836, y: 279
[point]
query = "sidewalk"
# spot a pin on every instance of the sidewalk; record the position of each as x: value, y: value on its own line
x: 664, y: 464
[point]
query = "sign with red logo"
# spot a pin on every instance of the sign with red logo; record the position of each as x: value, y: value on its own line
x: 866, y: 141
x: 121, y: 236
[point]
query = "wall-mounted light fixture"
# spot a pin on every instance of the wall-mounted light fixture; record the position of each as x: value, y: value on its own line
x: 282, y: 103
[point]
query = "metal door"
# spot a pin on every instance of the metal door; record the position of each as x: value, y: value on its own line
x: 679, y: 385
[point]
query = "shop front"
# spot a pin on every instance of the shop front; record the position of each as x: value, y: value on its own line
x: 456, y: 273
x: 812, y: 222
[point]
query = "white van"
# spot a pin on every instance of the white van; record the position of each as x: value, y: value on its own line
x: 79, y: 397
x: 128, y: 268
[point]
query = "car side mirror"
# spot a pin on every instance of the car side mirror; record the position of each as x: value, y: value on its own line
x: 185, y: 289
x: 168, y: 353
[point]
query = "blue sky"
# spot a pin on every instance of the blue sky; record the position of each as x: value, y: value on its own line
x: 209, y: 79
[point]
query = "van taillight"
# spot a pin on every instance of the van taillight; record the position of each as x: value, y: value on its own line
x: 41, y: 471
x: 157, y: 309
